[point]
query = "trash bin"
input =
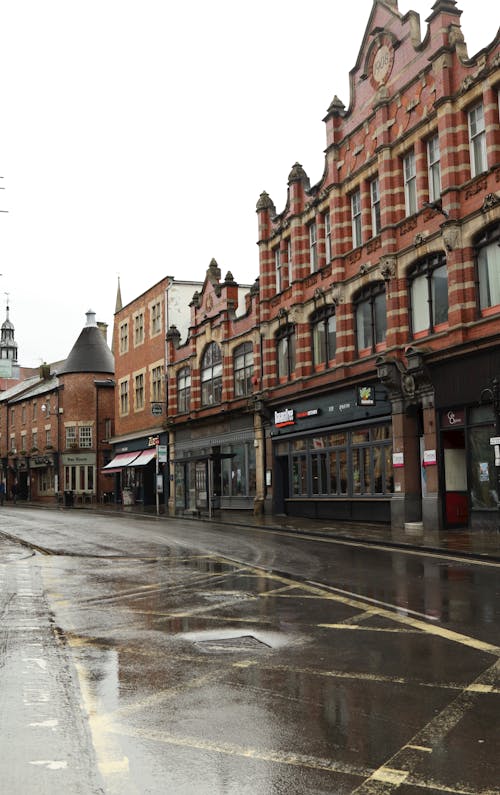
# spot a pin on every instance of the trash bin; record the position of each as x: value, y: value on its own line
x: 68, y: 499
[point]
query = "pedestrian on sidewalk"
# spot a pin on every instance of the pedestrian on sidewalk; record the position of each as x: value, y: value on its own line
x: 14, y: 491
x: 2, y: 492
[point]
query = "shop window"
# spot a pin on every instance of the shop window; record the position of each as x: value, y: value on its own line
x: 45, y: 480
x: 371, y: 319
x: 211, y: 375
x: 238, y: 471
x: 477, y: 140
x: 324, y: 332
x: 429, y: 294
x: 183, y: 390
x: 285, y: 349
x: 488, y: 268
x: 243, y: 369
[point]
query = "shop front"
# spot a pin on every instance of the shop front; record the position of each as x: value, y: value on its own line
x: 468, y: 421
x: 135, y: 476
x: 215, y: 467
x: 332, y: 456
x: 43, y: 479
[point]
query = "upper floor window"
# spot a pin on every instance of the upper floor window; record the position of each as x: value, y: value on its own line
x: 124, y: 337
x: 12, y: 416
x: 477, y: 140
x: 183, y: 389
x: 410, y: 183
x: 328, y: 237
x: 434, y: 168
x: 139, y: 328
x: 356, y: 218
x: 124, y: 403
x: 277, y: 270
x: 313, y: 247
x: 211, y: 375
x: 371, y: 318
x: 429, y: 294
x: 324, y: 331
x: 375, y: 206
x: 48, y: 437
x: 156, y: 318
x: 34, y: 440
x: 289, y: 259
x: 71, y: 436
x: 139, y: 391
x: 85, y: 435
x: 243, y: 369
x: 23, y: 414
x: 488, y: 267
x: 34, y: 410
x: 157, y: 384
x: 285, y: 349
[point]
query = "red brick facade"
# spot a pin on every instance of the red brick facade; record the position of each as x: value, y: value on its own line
x: 347, y: 383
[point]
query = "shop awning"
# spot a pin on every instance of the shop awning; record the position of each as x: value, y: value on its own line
x: 145, y: 457
x: 121, y: 460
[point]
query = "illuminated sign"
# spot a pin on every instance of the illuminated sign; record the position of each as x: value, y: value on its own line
x: 285, y: 417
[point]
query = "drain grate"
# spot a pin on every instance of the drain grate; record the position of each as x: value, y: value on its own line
x: 241, y: 643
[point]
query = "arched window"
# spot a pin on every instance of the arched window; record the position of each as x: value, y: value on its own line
x: 183, y: 389
x: 211, y: 375
x: 243, y: 369
x: 488, y: 267
x: 285, y: 350
x: 429, y: 294
x: 324, y: 332
x: 371, y: 320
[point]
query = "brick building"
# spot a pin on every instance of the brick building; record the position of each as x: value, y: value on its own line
x: 55, y: 425
x: 380, y: 288
x: 352, y: 381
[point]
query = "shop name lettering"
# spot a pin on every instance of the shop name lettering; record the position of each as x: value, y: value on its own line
x: 341, y: 407
x: 288, y: 416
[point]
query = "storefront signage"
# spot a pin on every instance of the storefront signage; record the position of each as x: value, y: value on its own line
x: 282, y: 418
x: 162, y: 453
x: 366, y: 395
x: 429, y: 457
x: 494, y: 440
x: 398, y: 460
x: 156, y: 409
x: 153, y: 441
x: 453, y: 418
x: 309, y: 413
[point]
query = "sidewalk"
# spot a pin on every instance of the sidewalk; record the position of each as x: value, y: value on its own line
x: 476, y: 544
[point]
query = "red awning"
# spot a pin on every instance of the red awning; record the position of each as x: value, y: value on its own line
x: 121, y: 460
x: 145, y: 457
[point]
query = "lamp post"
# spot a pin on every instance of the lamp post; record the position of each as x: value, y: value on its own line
x: 491, y: 394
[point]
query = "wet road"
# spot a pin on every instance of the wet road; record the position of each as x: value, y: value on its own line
x: 144, y: 655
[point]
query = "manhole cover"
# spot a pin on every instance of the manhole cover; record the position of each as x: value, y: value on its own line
x: 242, y: 643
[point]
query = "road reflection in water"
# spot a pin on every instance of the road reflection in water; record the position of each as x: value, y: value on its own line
x: 202, y: 675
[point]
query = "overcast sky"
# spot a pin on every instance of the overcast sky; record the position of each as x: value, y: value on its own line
x: 137, y: 135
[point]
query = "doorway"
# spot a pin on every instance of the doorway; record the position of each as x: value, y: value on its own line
x: 456, y: 503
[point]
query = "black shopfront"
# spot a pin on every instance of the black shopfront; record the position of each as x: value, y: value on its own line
x: 332, y: 456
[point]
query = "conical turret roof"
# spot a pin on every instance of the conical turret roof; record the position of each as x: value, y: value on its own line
x: 90, y: 353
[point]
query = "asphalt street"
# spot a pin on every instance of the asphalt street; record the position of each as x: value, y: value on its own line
x: 150, y: 655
